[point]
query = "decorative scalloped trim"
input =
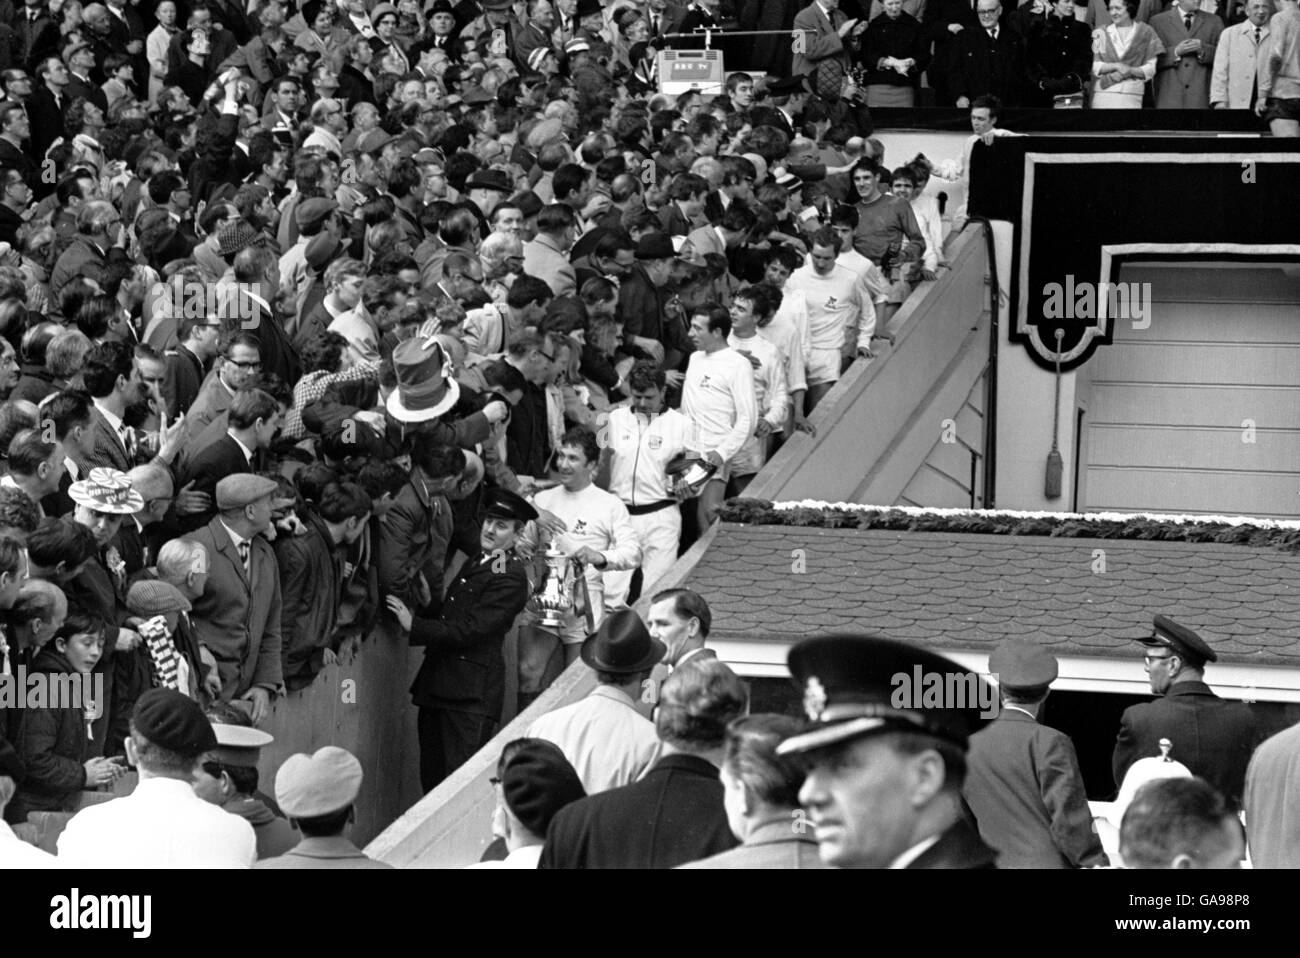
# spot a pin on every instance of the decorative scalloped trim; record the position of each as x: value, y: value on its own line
x: 1227, y: 530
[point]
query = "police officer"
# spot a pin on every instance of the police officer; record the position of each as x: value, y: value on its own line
x: 461, y: 685
x: 1023, y: 781
x: 885, y: 762
x: 1211, y: 737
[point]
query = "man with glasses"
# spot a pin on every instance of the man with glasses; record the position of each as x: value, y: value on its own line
x: 241, y: 362
x: 330, y: 122
x: 1213, y: 738
x: 14, y: 201
x: 15, y: 132
x: 989, y: 60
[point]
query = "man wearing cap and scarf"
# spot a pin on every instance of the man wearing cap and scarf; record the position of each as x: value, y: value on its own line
x: 1023, y: 782
x: 604, y: 735
x: 535, y: 782
x: 317, y: 792
x: 163, y: 823
x: 460, y: 688
x: 885, y: 767
x: 227, y: 777
x: 237, y: 618
x: 1211, y: 737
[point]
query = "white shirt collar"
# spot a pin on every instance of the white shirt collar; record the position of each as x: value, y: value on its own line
x: 235, y: 537
x: 248, y: 453
x: 913, y: 853
x: 114, y: 420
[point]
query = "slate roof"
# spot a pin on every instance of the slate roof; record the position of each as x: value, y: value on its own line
x: 967, y: 591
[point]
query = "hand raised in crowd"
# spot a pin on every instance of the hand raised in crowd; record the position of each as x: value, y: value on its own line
x: 127, y: 639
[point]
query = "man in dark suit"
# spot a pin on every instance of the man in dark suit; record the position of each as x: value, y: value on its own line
x: 255, y: 419
x: 46, y: 108
x: 187, y: 364
x: 988, y: 60
x: 1213, y: 738
x: 36, y: 34
x: 237, y: 618
x: 251, y: 307
x: 113, y: 381
x: 675, y: 813
x: 943, y: 22
x: 1023, y: 782
x: 885, y: 764
x: 460, y: 688
x: 84, y: 76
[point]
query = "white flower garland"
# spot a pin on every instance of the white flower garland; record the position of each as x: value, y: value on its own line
x: 1058, y: 516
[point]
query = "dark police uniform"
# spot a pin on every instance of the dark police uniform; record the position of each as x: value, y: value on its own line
x: 460, y: 687
x: 1213, y: 738
x: 850, y: 690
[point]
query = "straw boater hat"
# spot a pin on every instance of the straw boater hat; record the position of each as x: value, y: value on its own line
x: 425, y: 387
x: 107, y: 490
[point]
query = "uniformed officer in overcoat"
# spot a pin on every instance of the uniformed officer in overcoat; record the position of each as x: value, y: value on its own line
x: 460, y: 688
x: 1213, y: 738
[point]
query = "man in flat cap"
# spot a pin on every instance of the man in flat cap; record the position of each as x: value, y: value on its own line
x: 460, y: 688
x: 318, y: 793
x: 227, y: 777
x: 163, y: 823
x: 1023, y: 781
x: 237, y: 618
x: 1211, y: 737
x: 885, y: 766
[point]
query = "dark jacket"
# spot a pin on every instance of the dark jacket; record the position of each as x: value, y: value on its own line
x: 278, y: 354
x: 47, y: 126
x: 1058, y: 58
x: 53, y: 746
x: 642, y: 310
x: 959, y: 847
x: 1213, y: 738
x: 182, y: 381
x: 463, y: 669
x: 672, y: 816
x: 981, y: 66
x: 36, y: 383
x: 311, y: 569
x: 413, y: 539
x: 527, y: 438
x: 1024, y: 785
x: 210, y: 465
x: 902, y: 39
